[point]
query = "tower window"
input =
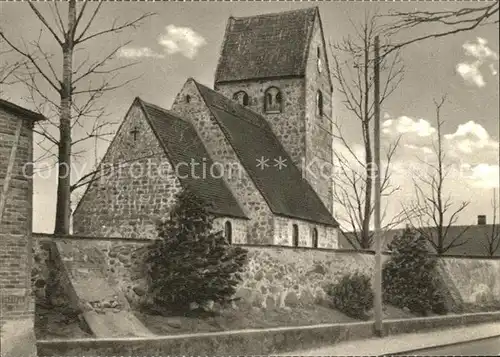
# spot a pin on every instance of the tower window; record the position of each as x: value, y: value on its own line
x: 315, y: 237
x: 228, y: 232
x: 188, y: 98
x: 295, y: 235
x: 273, y: 102
x: 319, y: 103
x: 241, y: 97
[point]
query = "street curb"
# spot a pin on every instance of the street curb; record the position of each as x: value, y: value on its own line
x: 408, y: 352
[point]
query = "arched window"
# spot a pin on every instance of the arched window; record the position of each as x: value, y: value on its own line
x: 273, y: 101
x: 319, y: 103
x: 295, y: 235
x: 241, y: 97
x: 228, y: 232
x: 188, y: 98
x: 315, y: 237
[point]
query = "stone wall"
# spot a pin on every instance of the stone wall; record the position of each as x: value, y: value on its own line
x: 281, y: 276
x: 260, y: 226
x: 285, y: 277
x: 121, y: 261
x: 16, y: 300
x: 135, y: 187
x: 275, y: 276
x: 475, y: 280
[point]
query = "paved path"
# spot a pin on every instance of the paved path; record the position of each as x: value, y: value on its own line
x: 488, y: 347
x: 404, y: 342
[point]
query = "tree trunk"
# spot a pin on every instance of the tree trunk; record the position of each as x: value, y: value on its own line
x: 63, y: 205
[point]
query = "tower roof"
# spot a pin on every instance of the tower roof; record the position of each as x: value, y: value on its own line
x: 266, y: 46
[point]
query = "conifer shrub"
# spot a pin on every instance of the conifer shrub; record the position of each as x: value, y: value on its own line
x: 410, y: 276
x: 352, y: 295
x: 191, y: 263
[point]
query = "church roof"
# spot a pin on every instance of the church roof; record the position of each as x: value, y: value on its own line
x: 182, y: 145
x: 266, y: 46
x: 287, y: 193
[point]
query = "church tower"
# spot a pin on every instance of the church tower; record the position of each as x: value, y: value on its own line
x: 277, y: 65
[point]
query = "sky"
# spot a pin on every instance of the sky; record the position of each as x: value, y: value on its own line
x: 183, y: 40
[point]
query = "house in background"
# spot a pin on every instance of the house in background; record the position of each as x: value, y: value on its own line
x: 475, y: 238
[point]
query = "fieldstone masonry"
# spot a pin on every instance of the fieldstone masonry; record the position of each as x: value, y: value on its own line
x: 135, y: 186
x: 274, y: 276
x: 260, y: 226
x: 16, y: 300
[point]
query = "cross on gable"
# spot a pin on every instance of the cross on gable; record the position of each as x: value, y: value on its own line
x: 135, y: 131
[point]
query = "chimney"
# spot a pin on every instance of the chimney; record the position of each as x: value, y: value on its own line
x: 481, y: 219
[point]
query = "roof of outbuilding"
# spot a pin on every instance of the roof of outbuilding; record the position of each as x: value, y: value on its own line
x: 11, y: 107
x: 265, y: 46
x: 285, y: 190
x: 473, y: 240
x: 182, y: 145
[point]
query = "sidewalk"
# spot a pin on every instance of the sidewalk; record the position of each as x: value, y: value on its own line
x: 404, y: 342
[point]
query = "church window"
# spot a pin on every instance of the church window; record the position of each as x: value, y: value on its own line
x: 241, y: 97
x: 273, y: 101
x: 319, y: 103
x: 188, y: 98
x: 295, y: 235
x: 315, y: 237
x: 228, y: 232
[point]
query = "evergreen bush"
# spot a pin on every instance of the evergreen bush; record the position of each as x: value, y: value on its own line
x: 410, y: 276
x: 352, y: 295
x: 191, y: 263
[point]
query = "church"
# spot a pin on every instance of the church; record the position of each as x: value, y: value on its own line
x: 257, y: 147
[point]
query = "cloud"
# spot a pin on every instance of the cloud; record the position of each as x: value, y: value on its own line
x: 469, y: 149
x: 407, y: 125
x: 139, y: 53
x: 470, y: 138
x: 471, y: 71
x: 181, y: 40
x: 483, y: 175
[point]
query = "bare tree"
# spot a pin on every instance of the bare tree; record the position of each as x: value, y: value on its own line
x: 8, y: 70
x: 492, y: 238
x: 77, y: 82
x: 452, y: 21
x: 353, y: 72
x: 432, y: 213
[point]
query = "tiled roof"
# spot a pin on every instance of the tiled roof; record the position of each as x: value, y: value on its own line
x: 286, y: 191
x: 182, y: 144
x: 264, y: 46
x: 6, y: 105
x: 474, y: 238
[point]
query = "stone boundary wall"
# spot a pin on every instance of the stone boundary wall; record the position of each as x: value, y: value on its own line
x: 282, y: 276
x: 251, y: 342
